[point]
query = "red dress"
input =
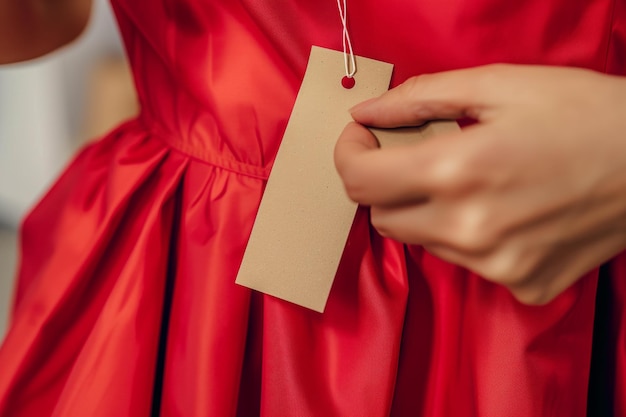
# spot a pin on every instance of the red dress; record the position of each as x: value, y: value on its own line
x: 126, y: 302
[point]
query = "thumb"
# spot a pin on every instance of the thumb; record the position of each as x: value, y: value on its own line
x: 447, y: 95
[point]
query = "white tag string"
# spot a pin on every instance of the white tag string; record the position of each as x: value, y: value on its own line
x: 348, y: 54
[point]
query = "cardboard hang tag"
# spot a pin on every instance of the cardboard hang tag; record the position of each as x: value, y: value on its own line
x: 304, y: 218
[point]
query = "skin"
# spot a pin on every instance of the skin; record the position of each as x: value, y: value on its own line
x: 32, y: 28
x: 532, y: 196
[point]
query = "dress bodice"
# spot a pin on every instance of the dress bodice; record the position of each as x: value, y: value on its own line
x: 219, y: 77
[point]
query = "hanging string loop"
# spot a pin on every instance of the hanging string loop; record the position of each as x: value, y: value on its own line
x: 348, y: 54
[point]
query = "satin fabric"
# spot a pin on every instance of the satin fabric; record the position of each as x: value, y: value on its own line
x: 126, y: 303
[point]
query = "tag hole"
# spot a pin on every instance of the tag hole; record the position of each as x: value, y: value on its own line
x: 348, y: 82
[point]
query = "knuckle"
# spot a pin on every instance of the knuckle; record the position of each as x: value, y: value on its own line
x: 518, y: 273
x: 498, y: 272
x: 530, y: 295
x: 380, y: 222
x: 382, y: 229
x: 443, y: 175
x: 454, y: 174
x: 474, y: 231
x: 509, y: 268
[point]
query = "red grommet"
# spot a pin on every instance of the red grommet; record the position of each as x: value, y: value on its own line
x: 348, y: 82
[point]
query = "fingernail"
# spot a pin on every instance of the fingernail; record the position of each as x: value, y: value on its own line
x: 362, y: 106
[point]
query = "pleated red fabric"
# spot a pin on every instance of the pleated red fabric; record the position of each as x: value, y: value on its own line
x: 126, y: 304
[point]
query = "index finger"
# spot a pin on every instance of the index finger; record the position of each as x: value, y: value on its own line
x: 452, y: 94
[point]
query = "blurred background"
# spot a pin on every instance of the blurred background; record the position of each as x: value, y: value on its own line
x: 49, y: 108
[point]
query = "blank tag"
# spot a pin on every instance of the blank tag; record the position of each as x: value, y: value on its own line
x: 304, y: 218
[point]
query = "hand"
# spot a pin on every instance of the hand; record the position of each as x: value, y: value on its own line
x: 532, y: 196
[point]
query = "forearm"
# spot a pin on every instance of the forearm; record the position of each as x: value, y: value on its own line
x: 32, y: 28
